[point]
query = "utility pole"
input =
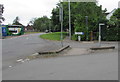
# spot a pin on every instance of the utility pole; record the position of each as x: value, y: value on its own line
x: 86, y: 27
x: 69, y: 20
x: 61, y: 20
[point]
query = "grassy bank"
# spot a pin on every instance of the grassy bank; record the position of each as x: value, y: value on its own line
x: 53, y: 36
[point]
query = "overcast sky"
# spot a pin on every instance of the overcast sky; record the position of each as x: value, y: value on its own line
x: 28, y: 9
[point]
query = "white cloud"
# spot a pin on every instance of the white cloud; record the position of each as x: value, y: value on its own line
x: 109, y: 4
x: 28, y: 9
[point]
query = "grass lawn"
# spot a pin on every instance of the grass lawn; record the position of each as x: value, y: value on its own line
x: 53, y: 36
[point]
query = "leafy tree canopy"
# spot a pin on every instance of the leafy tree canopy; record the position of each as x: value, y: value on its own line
x: 79, y: 11
x: 16, y: 21
x: 41, y: 23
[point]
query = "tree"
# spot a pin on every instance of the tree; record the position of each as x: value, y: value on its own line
x: 116, y: 17
x: 31, y: 22
x: 16, y: 21
x: 78, y: 12
x: 114, y: 27
x: 55, y: 19
x: 41, y: 24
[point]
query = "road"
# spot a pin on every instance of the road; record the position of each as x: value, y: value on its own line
x: 22, y: 46
x: 100, y: 65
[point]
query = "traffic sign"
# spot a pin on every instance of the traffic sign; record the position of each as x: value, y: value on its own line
x: 81, y: 33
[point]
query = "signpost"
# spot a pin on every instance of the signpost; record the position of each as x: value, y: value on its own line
x: 100, y: 33
x: 79, y: 33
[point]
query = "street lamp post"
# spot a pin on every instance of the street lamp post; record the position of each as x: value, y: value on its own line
x: 100, y: 33
x: 61, y: 20
x: 69, y: 20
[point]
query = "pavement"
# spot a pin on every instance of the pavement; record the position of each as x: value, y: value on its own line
x: 77, y: 63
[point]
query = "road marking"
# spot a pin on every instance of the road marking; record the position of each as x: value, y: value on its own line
x: 10, y: 66
x: 22, y: 61
x: 19, y: 60
x: 35, y: 54
x: 27, y: 59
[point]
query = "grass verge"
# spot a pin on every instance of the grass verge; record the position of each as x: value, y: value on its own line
x: 53, y: 36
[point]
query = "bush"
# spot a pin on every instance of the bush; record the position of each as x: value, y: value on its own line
x: 112, y: 34
x: 75, y: 37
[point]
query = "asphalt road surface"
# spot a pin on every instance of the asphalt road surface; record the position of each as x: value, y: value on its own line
x: 19, y: 47
x: 100, y: 65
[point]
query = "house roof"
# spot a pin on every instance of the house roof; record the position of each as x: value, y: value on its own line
x: 110, y: 14
x: 29, y: 27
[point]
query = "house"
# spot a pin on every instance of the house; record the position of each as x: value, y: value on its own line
x: 29, y: 28
x: 110, y: 14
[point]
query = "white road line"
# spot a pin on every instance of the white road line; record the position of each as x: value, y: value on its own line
x: 10, y: 66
